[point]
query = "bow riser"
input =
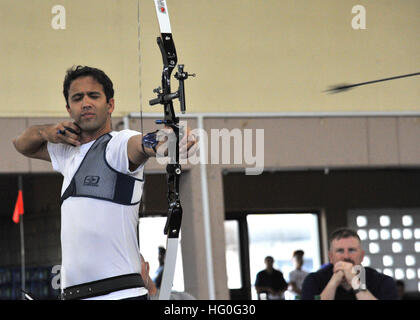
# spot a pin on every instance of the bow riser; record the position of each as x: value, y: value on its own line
x: 173, y: 168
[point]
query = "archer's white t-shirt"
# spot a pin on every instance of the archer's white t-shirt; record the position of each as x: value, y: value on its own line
x: 98, y: 238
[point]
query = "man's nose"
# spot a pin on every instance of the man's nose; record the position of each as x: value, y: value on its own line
x: 86, y: 102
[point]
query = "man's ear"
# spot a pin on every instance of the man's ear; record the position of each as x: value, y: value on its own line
x: 68, y: 108
x: 330, y: 256
x: 111, y: 105
x: 362, y: 255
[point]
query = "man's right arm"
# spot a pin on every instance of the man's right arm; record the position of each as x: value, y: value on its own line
x: 33, y: 141
x: 329, y: 291
x: 313, y: 284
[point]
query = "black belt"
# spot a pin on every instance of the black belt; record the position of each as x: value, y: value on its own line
x: 101, y: 287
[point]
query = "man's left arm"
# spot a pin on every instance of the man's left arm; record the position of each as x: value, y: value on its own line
x: 365, y: 295
x: 136, y: 155
x: 387, y: 289
x: 138, y: 152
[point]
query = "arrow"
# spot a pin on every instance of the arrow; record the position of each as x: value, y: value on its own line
x: 344, y: 87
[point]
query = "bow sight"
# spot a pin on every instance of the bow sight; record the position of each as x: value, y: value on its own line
x: 163, y: 98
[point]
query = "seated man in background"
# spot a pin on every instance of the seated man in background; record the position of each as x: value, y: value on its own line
x: 339, y: 280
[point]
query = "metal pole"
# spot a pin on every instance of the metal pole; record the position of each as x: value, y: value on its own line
x: 22, y: 243
x: 206, y: 211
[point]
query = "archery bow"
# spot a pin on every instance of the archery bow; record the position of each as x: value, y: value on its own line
x: 173, y: 168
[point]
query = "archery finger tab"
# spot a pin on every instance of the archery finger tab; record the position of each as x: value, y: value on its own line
x: 75, y: 123
x: 71, y: 130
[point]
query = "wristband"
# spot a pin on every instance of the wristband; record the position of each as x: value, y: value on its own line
x: 362, y: 289
x: 149, y: 141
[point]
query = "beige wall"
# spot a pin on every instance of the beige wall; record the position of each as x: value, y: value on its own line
x: 249, y: 55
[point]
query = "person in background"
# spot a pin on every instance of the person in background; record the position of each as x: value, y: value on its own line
x: 401, y: 289
x: 270, y: 282
x: 297, y: 276
x: 340, y: 280
x: 153, y: 291
x: 157, y: 279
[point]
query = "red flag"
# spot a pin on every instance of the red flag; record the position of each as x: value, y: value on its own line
x: 18, y: 207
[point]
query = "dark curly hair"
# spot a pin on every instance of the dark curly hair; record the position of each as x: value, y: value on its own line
x: 85, y: 71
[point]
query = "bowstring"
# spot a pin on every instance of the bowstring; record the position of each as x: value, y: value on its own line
x: 143, y: 205
x: 139, y: 64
